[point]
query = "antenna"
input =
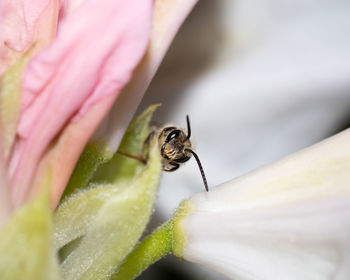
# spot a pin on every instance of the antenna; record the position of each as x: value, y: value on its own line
x: 188, y: 127
x: 200, y: 169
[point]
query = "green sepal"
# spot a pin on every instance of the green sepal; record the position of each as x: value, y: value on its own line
x: 120, y: 169
x: 109, y: 221
x: 26, y: 245
x: 96, y: 228
x: 98, y: 164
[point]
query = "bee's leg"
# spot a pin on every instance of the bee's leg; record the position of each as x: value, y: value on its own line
x: 174, y: 164
x: 152, y: 133
x: 145, y: 145
x: 141, y: 158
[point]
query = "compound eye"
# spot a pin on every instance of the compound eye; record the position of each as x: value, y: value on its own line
x: 173, y: 135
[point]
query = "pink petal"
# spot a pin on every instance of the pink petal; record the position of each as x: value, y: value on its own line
x: 97, y: 47
x: 167, y: 19
x: 68, y: 7
x: 61, y: 158
x: 24, y: 23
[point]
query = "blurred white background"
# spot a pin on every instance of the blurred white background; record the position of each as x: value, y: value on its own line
x: 260, y: 79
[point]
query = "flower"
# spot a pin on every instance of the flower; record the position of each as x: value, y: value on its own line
x: 69, y: 87
x: 57, y: 100
x: 288, y: 220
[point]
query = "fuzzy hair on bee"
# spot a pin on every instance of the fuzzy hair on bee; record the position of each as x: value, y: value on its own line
x: 173, y: 143
x: 176, y: 148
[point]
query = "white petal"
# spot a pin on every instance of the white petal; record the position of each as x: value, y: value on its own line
x: 288, y: 220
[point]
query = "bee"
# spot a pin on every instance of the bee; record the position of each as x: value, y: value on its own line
x: 175, y: 148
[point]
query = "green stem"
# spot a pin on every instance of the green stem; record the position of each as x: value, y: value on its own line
x: 151, y: 249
